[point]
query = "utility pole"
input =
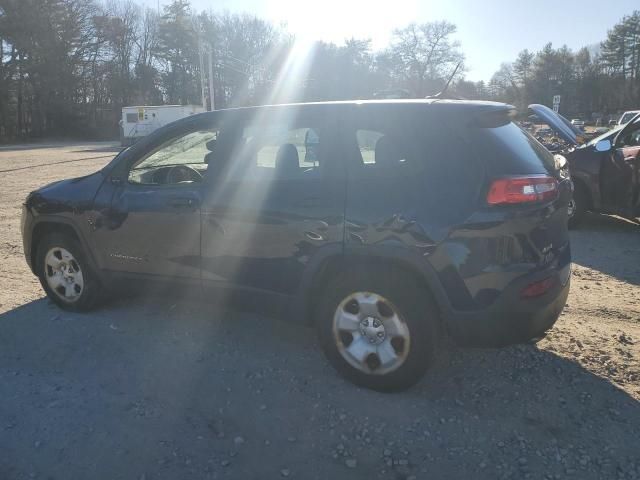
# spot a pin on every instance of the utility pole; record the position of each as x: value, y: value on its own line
x: 202, y: 84
x: 211, y: 94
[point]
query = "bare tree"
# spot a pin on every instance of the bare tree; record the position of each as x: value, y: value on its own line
x: 423, y: 56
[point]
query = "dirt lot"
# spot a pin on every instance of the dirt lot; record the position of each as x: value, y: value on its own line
x: 149, y: 388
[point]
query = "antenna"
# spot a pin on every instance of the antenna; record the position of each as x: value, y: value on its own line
x: 441, y: 94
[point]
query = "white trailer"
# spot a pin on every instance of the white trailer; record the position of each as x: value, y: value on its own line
x: 139, y: 121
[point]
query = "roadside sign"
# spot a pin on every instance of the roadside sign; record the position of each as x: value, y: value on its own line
x: 556, y: 103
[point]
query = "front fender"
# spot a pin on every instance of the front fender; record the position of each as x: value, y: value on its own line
x: 35, y: 227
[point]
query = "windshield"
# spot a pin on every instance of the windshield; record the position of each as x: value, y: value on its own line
x: 605, y: 135
x: 627, y: 117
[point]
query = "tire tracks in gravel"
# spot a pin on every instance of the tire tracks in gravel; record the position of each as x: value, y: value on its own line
x: 54, y: 163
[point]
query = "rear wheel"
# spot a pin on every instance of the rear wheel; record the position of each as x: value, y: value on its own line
x: 378, y: 329
x: 64, y: 273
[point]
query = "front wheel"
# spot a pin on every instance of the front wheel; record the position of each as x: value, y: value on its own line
x: 378, y: 329
x: 64, y: 273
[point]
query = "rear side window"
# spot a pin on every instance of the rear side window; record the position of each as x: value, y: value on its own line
x: 283, y: 149
x: 382, y: 150
x: 269, y: 144
x: 510, y: 150
x: 408, y: 151
x: 384, y: 145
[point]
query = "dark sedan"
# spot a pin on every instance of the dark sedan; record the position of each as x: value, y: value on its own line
x: 605, y: 170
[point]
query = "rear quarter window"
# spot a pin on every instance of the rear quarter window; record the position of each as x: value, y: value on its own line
x: 509, y: 150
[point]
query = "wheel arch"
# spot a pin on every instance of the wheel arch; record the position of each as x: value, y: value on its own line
x: 49, y: 225
x: 375, y: 258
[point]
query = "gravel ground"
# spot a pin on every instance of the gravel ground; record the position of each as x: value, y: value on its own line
x: 149, y: 388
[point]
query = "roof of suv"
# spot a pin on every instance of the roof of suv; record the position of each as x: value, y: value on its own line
x: 453, y: 104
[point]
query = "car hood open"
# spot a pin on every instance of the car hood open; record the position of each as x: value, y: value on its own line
x: 563, y: 127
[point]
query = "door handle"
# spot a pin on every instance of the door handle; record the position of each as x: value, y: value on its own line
x: 313, y: 236
x: 182, y: 202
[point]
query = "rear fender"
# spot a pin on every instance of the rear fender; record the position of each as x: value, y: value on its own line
x: 331, y: 261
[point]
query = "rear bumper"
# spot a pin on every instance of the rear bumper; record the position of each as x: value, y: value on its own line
x: 512, y: 319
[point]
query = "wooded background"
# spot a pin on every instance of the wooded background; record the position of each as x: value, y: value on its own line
x: 68, y: 66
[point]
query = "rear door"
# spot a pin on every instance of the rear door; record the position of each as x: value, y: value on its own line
x: 281, y: 201
x: 401, y: 179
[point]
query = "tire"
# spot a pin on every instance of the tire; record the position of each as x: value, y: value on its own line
x: 580, y: 205
x: 389, y: 291
x: 65, y: 274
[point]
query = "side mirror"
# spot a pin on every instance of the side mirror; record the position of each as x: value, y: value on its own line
x: 603, y: 146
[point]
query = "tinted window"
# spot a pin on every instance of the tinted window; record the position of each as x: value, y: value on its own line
x: 409, y: 152
x: 132, y: 117
x: 384, y: 145
x: 510, y: 150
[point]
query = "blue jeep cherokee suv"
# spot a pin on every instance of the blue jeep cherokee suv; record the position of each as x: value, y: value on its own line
x: 382, y: 223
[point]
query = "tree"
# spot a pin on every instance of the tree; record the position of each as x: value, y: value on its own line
x: 522, y: 74
x: 177, y: 48
x: 147, y: 79
x: 68, y: 66
x: 423, y: 56
x: 247, y: 52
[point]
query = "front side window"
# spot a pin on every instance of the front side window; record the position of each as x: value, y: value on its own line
x: 180, y: 160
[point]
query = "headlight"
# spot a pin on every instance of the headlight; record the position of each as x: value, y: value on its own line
x: 561, y: 166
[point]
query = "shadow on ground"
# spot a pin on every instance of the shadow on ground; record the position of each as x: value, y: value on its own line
x: 110, y: 148
x: 610, y: 245
x: 159, y: 388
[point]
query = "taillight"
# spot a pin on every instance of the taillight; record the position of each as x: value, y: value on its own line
x: 537, y: 289
x: 533, y: 188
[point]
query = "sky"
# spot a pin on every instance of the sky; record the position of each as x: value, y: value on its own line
x: 490, y: 32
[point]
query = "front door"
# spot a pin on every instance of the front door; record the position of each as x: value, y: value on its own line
x: 620, y: 172
x: 152, y: 225
x: 282, y: 201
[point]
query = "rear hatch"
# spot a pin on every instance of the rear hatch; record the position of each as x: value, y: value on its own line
x: 526, y: 188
